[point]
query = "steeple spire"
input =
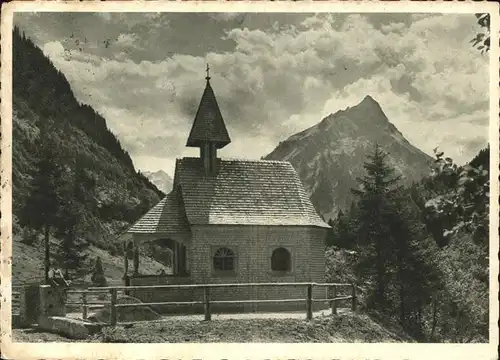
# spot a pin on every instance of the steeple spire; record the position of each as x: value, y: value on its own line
x: 208, y: 73
x: 209, y: 132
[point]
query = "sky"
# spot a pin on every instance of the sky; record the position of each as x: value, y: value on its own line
x: 274, y: 74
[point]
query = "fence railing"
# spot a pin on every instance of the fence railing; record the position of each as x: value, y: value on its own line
x: 101, y: 297
x: 16, y: 300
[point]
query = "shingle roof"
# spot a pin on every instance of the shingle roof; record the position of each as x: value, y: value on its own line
x: 208, y: 123
x: 166, y: 217
x: 245, y: 192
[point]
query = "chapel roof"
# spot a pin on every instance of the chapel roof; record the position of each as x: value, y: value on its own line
x: 208, y: 125
x: 244, y: 192
x: 166, y: 217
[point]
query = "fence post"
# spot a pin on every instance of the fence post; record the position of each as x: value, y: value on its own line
x: 84, y: 306
x: 113, y: 318
x: 334, y: 302
x: 353, y: 297
x: 309, y: 302
x: 206, y: 299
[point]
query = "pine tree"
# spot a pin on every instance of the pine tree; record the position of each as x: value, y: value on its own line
x: 396, y: 256
x: 71, y: 252
x: 98, y: 277
x: 340, y: 235
x: 43, y: 203
x: 416, y: 277
x: 74, y: 219
x: 378, y: 188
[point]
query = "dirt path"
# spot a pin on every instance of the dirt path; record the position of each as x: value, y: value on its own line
x: 239, y: 316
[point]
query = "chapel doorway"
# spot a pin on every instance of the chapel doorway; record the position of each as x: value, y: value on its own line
x: 172, y: 254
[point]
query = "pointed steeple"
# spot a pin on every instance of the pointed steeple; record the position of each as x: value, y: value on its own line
x: 208, y: 126
x: 209, y: 132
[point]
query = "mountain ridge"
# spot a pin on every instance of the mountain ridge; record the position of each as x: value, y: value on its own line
x: 329, y: 156
x: 160, y: 179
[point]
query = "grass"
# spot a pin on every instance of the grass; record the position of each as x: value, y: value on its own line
x: 27, y: 263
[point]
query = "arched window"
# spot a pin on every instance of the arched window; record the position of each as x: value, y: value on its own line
x: 224, y: 259
x: 281, y: 260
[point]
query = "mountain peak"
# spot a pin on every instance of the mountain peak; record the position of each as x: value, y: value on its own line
x: 370, y: 103
x: 329, y: 156
x: 368, y: 99
x: 161, y: 179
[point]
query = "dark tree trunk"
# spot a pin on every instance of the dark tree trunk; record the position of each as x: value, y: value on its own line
x: 47, y: 253
x: 434, y: 317
x: 380, y: 296
x: 125, y: 260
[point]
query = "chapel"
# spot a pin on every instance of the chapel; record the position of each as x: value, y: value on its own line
x: 232, y: 221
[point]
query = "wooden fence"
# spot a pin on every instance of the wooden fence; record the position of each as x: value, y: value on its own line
x: 101, y: 297
x: 16, y: 300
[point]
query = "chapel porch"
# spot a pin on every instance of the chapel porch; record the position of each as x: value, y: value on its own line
x: 169, y: 251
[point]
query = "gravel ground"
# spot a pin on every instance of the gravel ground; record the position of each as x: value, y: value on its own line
x: 240, y: 316
x: 346, y: 327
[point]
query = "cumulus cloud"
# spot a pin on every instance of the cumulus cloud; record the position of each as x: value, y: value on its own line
x: 278, y: 80
x: 127, y: 40
x: 224, y: 16
x: 53, y: 49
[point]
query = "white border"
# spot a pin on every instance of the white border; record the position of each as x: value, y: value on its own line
x: 225, y: 350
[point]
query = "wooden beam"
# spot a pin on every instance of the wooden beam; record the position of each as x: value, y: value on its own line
x: 136, y: 259
x: 113, y: 315
x: 206, y: 298
x: 309, y: 302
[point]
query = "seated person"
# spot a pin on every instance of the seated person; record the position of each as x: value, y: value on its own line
x: 56, y: 278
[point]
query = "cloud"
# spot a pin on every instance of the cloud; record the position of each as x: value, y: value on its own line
x: 392, y: 27
x: 127, y: 40
x: 53, y: 49
x: 224, y: 16
x: 104, y: 15
x: 276, y: 81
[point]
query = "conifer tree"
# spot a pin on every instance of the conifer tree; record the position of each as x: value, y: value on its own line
x: 74, y: 218
x: 377, y: 191
x: 98, y: 277
x: 42, y: 206
x: 395, y: 253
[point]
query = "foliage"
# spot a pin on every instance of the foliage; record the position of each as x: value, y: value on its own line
x: 461, y: 196
x: 69, y: 170
x: 341, y: 234
x: 98, y: 277
x: 41, y: 207
x: 374, y: 242
x: 482, y: 39
x: 43, y: 204
x: 422, y: 251
x: 459, y: 200
x: 75, y: 218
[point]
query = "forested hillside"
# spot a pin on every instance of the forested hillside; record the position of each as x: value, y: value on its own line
x: 71, y: 177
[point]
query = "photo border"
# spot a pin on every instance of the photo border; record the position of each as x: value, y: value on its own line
x: 231, y: 351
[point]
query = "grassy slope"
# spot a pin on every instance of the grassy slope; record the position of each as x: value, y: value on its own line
x: 27, y: 264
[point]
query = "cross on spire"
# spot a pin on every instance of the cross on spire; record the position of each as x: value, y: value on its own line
x: 208, y: 72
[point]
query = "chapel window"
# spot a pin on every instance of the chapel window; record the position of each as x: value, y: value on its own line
x: 281, y: 260
x: 224, y: 259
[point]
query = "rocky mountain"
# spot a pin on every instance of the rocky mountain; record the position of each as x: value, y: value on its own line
x: 161, y: 179
x: 329, y: 156
x: 42, y: 98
